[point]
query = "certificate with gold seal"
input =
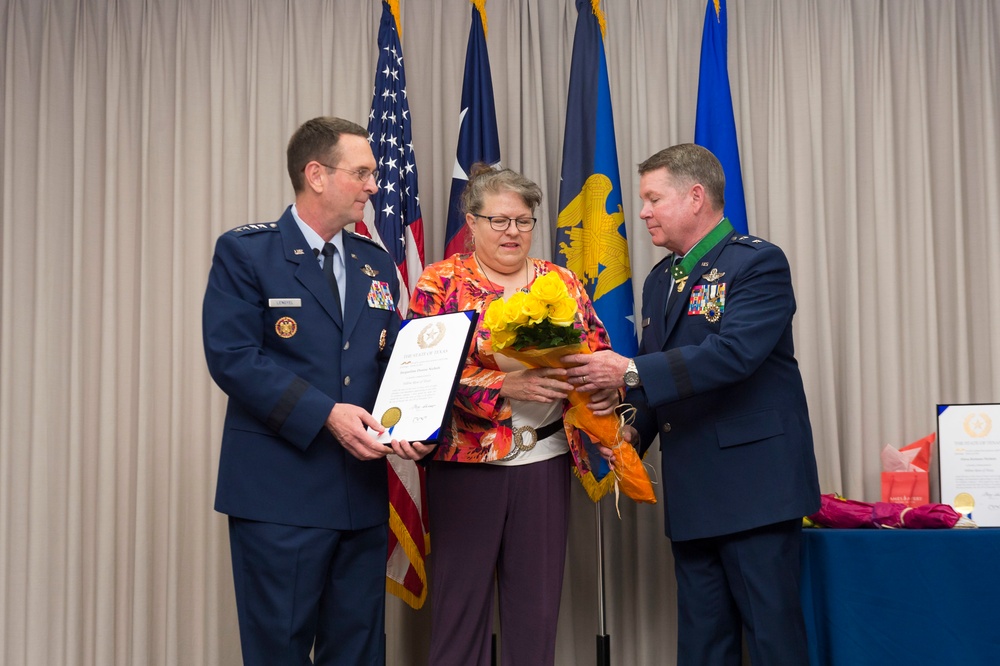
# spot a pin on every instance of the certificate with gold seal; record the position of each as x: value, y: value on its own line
x: 418, y: 388
x: 969, y: 449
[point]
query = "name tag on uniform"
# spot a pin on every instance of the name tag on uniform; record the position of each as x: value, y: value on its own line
x: 284, y: 302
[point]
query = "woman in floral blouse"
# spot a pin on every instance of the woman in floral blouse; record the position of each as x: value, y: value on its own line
x: 498, y: 487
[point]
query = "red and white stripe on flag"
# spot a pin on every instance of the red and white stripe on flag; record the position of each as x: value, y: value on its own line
x: 409, y: 538
x: 393, y: 219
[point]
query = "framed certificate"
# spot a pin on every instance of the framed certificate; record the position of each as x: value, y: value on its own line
x: 969, y: 446
x: 417, y: 391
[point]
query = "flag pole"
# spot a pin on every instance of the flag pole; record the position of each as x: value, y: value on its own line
x: 603, y: 639
x: 590, y: 228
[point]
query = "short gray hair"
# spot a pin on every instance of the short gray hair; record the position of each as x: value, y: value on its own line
x: 688, y: 164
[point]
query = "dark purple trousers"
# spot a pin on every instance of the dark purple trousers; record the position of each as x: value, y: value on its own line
x: 497, y: 525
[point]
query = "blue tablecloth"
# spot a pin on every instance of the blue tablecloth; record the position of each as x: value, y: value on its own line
x: 902, y: 597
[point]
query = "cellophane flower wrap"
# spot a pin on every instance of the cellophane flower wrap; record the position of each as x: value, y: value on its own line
x: 537, y: 328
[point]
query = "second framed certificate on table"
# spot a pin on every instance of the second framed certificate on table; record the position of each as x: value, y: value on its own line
x: 414, y: 400
x: 969, y: 445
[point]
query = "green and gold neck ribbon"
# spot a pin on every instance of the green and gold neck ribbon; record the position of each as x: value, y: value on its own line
x: 681, y: 270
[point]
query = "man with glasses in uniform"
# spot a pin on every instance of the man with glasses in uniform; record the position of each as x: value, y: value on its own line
x: 298, y: 322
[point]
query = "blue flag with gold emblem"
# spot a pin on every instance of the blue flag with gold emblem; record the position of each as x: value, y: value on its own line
x: 715, y: 123
x: 590, y: 235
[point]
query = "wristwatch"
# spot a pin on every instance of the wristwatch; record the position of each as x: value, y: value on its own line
x: 631, y: 374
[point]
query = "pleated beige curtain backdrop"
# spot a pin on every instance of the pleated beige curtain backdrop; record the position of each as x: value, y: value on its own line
x: 135, y: 132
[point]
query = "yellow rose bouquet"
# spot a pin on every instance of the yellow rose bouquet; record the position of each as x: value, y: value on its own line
x: 537, y: 328
x: 541, y: 319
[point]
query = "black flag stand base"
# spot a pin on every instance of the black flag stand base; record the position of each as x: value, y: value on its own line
x: 603, y: 639
x: 603, y: 650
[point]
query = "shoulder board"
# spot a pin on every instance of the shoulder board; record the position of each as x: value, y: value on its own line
x: 744, y: 239
x: 254, y: 228
x: 353, y: 234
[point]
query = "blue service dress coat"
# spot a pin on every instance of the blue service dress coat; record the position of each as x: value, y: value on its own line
x: 721, y: 387
x: 279, y: 347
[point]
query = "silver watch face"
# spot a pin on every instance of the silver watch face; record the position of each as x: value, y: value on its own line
x: 631, y: 378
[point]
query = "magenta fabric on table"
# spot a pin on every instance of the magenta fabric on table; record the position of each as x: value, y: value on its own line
x: 842, y: 513
x: 851, y: 514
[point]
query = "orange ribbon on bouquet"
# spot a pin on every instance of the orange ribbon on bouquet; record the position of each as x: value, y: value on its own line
x: 629, y: 474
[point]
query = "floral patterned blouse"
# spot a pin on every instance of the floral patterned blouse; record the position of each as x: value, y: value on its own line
x: 480, y: 429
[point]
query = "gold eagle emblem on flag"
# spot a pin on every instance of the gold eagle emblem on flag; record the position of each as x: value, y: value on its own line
x: 594, y: 237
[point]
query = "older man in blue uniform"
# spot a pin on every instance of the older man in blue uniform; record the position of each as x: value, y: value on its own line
x: 298, y: 323
x: 717, y: 379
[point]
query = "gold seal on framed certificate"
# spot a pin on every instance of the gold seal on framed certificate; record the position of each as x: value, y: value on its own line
x: 391, y: 416
x: 964, y: 503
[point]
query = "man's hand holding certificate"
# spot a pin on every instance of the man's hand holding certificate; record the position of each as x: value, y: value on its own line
x: 420, y: 381
x: 354, y: 429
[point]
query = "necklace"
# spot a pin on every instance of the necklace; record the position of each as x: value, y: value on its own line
x: 493, y: 284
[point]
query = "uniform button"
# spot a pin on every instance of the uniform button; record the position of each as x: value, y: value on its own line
x: 347, y: 345
x: 347, y: 381
x: 666, y: 427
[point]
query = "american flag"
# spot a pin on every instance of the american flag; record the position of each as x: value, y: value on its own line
x: 397, y: 222
x: 394, y: 221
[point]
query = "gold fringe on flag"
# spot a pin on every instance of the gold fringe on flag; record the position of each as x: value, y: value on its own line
x: 394, y: 8
x: 599, y: 13
x: 481, y: 6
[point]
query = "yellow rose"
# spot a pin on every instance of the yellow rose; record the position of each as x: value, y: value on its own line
x: 563, y: 312
x: 534, y: 309
x: 502, y: 338
x: 494, y: 318
x: 514, y: 309
x: 549, y: 288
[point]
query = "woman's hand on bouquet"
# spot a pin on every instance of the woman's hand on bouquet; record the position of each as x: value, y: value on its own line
x: 536, y: 385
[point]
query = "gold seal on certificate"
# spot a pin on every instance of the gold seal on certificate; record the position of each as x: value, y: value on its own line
x: 390, y: 417
x: 422, y: 375
x: 964, y: 503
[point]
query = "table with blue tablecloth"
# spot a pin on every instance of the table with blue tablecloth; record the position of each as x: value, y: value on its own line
x: 906, y: 597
